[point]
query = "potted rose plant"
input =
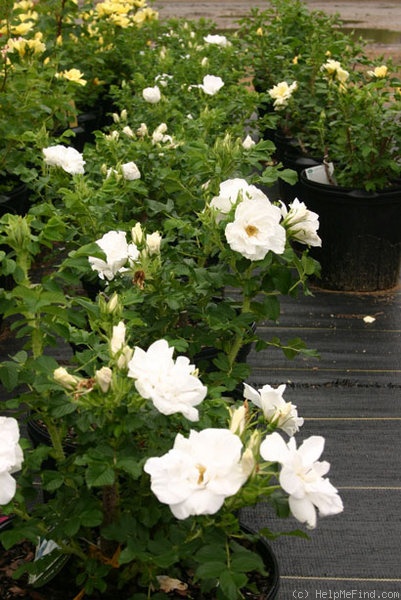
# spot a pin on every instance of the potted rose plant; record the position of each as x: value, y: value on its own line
x: 138, y: 475
x: 131, y: 480
x: 357, y: 192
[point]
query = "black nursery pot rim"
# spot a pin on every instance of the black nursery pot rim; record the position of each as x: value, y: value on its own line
x: 350, y: 192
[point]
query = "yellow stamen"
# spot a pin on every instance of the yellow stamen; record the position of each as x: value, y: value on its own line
x: 202, y: 471
x: 251, y: 230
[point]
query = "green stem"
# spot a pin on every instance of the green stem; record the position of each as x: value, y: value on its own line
x: 56, y: 440
x: 239, y: 337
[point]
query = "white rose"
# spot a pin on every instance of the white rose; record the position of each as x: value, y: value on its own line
x: 152, y: 94
x: 211, y: 84
x: 11, y: 457
x: 130, y: 171
x: 69, y: 159
x: 256, y: 229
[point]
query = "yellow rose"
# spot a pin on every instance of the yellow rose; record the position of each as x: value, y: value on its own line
x: 73, y: 75
x: 378, y: 72
x: 22, y: 28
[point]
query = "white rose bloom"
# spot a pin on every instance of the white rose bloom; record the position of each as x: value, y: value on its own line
x: 199, y: 472
x: 153, y: 241
x: 248, y: 142
x: 118, y: 346
x: 159, y: 134
x: 238, y: 419
x: 152, y: 94
x: 11, y: 458
x: 232, y: 190
x: 117, y: 251
x: 137, y: 233
x: 211, y: 84
x: 130, y: 171
x: 171, y: 385
x: 256, y: 229
x: 276, y: 411
x: 142, y: 131
x: 163, y: 79
x: 63, y: 377
x: 301, y: 476
x: 118, y: 338
x: 103, y: 378
x: 128, y: 131
x: 302, y: 224
x: 69, y: 159
x: 229, y: 191
x: 219, y: 40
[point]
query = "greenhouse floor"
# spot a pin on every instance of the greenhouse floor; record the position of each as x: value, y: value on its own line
x: 351, y: 396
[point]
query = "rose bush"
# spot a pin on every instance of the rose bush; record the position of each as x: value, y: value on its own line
x: 164, y: 251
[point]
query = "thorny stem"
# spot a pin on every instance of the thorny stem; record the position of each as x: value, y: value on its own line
x: 56, y: 440
x: 110, y: 501
x: 59, y: 19
x: 239, y: 337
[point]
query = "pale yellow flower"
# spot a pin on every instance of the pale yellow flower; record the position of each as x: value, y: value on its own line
x: 120, y: 20
x: 28, y: 16
x: 24, y: 5
x: 334, y: 70
x: 379, y: 72
x: 36, y: 45
x: 17, y: 45
x: 22, y: 28
x: 281, y: 93
x: 259, y: 31
x: 147, y: 14
x: 73, y: 75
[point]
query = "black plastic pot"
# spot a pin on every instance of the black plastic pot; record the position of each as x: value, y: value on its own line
x: 289, y: 153
x: 361, y: 236
x: 16, y: 200
x: 297, y: 163
x: 272, y: 583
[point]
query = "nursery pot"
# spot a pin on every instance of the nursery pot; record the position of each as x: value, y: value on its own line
x: 271, y: 585
x: 53, y: 581
x: 289, y: 153
x: 16, y: 200
x: 361, y: 235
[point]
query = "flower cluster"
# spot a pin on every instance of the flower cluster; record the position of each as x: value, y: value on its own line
x: 199, y: 472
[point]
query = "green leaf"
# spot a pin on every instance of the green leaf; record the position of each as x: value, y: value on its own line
x: 289, y: 176
x: 98, y: 475
x: 231, y: 583
x: 211, y: 569
x: 246, y: 561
